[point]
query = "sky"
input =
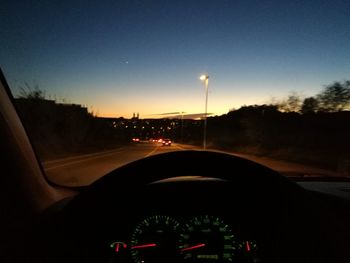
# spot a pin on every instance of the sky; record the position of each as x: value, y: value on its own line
x: 120, y: 57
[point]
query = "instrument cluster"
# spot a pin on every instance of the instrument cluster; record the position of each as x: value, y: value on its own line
x: 202, y: 239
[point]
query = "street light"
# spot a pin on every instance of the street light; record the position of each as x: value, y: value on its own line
x: 205, y: 78
x: 182, y: 126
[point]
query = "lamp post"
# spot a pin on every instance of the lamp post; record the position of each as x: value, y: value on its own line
x: 182, y: 126
x: 205, y: 78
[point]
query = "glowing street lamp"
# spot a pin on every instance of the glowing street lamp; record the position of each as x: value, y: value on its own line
x: 205, y: 78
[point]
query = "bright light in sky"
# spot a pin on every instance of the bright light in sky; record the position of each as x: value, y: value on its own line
x: 131, y: 56
x: 203, y: 77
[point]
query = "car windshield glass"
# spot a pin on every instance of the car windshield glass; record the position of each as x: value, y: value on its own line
x: 101, y: 84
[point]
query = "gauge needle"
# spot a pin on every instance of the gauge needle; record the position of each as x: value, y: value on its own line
x: 117, y: 247
x: 193, y: 247
x: 144, y: 246
x: 247, y: 246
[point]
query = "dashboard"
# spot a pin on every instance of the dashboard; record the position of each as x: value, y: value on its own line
x: 202, y: 238
x: 185, y: 219
x: 192, y: 219
x: 209, y: 208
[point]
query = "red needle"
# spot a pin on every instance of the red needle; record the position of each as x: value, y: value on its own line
x: 144, y: 246
x: 247, y: 245
x: 193, y: 247
x: 117, y: 248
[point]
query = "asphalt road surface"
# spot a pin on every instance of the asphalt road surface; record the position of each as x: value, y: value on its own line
x: 85, y: 169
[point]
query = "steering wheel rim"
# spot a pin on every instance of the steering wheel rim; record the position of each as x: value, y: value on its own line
x: 191, y: 162
x: 272, y: 190
x: 134, y: 176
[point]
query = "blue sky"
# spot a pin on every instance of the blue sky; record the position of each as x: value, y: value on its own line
x: 120, y: 57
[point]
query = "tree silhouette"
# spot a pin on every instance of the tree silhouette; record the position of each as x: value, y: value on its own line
x: 28, y: 92
x: 310, y: 105
x: 291, y: 104
x: 335, y: 97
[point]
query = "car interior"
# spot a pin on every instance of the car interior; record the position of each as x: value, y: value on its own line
x: 209, y: 207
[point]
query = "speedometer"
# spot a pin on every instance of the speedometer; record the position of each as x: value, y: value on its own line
x: 154, y: 240
x: 207, y: 239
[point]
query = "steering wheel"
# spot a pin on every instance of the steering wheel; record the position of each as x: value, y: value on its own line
x: 243, y: 175
x: 265, y: 193
x: 192, y: 163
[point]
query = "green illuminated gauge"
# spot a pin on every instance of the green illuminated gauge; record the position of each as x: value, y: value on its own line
x: 207, y: 239
x: 248, y: 247
x: 154, y: 240
x: 248, y: 251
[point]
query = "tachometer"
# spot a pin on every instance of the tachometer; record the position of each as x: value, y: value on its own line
x: 154, y: 240
x: 207, y: 239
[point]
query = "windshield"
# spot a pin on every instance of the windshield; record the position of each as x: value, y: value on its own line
x: 100, y: 85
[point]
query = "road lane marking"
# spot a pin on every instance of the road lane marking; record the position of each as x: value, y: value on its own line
x: 154, y: 150
x: 81, y: 160
x: 81, y: 156
x: 181, y: 148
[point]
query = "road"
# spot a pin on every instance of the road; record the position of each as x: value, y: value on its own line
x: 85, y: 169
